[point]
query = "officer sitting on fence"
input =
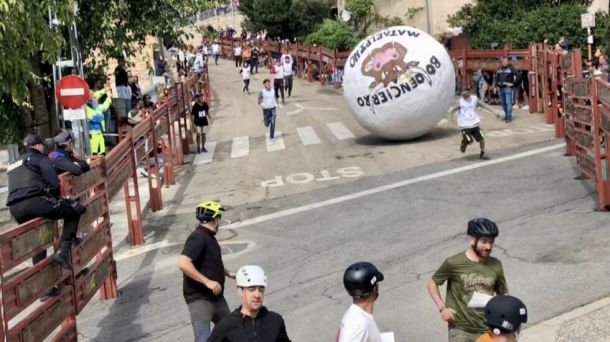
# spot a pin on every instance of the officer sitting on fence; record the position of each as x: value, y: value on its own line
x: 34, y: 192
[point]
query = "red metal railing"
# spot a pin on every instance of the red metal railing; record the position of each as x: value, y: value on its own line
x: 93, y: 266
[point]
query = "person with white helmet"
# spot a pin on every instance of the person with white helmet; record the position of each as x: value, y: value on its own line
x: 361, y: 280
x: 251, y: 321
x: 504, y: 315
x: 204, y: 271
x: 472, y: 277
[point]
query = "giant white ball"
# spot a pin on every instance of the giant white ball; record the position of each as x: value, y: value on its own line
x: 399, y: 83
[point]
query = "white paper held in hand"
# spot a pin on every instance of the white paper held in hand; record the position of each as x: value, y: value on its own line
x: 387, y: 337
x: 479, y: 300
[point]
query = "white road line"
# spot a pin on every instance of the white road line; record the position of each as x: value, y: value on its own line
x: 3, y: 189
x: 241, y: 147
x: 206, y: 157
x: 276, y: 145
x: 339, y: 130
x: 391, y: 186
x: 308, y: 135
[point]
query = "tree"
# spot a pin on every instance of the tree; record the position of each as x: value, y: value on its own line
x: 107, y: 29
x: 519, y: 22
x: 333, y: 34
x: 364, y: 17
x: 284, y: 18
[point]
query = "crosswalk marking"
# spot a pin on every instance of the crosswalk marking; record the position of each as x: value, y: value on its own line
x: 339, y: 130
x: 276, y: 145
x: 241, y: 147
x: 308, y: 135
x: 204, y: 158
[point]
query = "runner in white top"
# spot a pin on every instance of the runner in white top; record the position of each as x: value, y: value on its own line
x: 361, y: 280
x: 237, y: 56
x: 278, y: 79
x: 287, y: 63
x: 215, y: 52
x: 245, y: 75
x: 468, y: 121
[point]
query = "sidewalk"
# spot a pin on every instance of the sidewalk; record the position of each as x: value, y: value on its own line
x: 588, y: 323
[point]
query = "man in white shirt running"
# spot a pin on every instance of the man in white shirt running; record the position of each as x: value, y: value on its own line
x: 237, y: 56
x: 266, y: 99
x: 215, y: 51
x: 361, y: 280
x: 287, y: 63
x: 468, y: 121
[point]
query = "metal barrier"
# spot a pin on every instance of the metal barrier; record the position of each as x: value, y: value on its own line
x: 303, y: 52
x: 93, y: 266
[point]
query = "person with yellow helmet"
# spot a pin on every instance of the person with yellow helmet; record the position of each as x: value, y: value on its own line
x: 204, y: 271
x: 98, y: 103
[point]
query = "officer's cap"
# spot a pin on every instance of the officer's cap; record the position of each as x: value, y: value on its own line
x: 32, y: 140
x: 62, y: 138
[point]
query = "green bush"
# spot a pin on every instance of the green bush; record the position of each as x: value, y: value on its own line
x: 333, y: 34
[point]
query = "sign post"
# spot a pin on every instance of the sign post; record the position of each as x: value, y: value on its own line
x: 587, y: 20
x: 72, y: 93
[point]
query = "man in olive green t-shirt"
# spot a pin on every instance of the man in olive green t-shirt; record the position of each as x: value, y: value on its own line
x: 472, y: 277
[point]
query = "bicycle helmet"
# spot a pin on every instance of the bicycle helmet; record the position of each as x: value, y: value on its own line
x: 251, y: 275
x: 482, y: 227
x: 209, y: 210
x: 360, y: 278
x: 505, y: 314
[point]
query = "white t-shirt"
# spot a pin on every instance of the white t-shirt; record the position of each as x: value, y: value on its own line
x: 215, y: 49
x: 279, y: 72
x: 287, y: 64
x: 267, y: 98
x: 237, y: 51
x: 358, y: 325
x: 467, y: 115
x: 245, y: 73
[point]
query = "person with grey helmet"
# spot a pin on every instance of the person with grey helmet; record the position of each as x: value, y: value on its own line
x: 251, y: 321
x: 472, y: 278
x: 361, y: 280
x: 504, y: 315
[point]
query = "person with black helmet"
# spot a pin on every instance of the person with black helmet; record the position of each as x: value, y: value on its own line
x: 504, y: 315
x: 361, y: 280
x: 204, y: 271
x: 472, y: 278
x: 251, y: 321
x: 34, y: 192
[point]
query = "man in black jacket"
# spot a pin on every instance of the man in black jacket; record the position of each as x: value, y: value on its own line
x: 34, y: 192
x: 251, y: 321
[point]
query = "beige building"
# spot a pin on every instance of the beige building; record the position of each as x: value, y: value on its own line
x: 439, y: 10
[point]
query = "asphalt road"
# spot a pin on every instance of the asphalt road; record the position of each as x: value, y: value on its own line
x: 553, y: 245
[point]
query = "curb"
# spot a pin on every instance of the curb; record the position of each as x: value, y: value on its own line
x: 548, y: 330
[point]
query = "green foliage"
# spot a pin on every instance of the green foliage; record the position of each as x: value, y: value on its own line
x: 284, y: 18
x: 333, y: 34
x: 364, y: 17
x: 24, y: 33
x: 519, y: 22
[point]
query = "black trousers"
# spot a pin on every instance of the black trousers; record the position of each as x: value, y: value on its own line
x: 278, y: 87
x: 237, y: 61
x: 34, y: 207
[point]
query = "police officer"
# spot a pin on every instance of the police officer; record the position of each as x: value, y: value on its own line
x: 64, y: 158
x: 504, y: 316
x: 97, y: 105
x: 361, y: 280
x: 34, y: 192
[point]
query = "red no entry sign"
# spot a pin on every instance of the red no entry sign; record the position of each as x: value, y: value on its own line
x: 72, y: 91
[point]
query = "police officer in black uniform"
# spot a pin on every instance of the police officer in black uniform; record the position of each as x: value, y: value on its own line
x: 34, y: 192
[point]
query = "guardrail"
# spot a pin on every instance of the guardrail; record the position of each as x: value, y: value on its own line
x: 93, y: 266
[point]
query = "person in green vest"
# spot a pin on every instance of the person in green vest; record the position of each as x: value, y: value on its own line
x: 98, y: 103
